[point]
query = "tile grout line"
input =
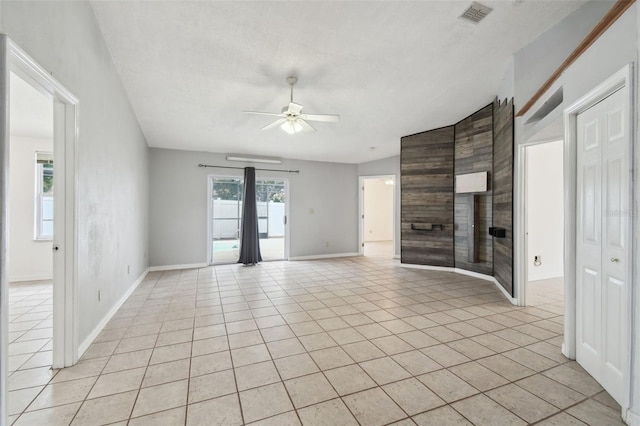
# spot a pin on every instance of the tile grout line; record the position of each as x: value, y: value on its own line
x: 256, y: 290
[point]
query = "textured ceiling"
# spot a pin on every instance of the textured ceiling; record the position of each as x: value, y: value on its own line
x: 389, y: 68
x: 31, y: 112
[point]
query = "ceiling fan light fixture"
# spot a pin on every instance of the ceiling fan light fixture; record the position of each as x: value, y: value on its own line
x: 291, y: 127
x: 291, y: 119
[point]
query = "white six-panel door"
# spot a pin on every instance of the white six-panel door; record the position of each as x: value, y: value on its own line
x: 603, y: 241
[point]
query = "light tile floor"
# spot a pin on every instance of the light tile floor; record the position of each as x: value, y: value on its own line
x: 335, y: 342
x: 30, y: 333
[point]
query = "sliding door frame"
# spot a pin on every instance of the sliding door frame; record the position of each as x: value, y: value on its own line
x: 287, y: 209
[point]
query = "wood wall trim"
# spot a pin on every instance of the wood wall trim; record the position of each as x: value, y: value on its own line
x: 616, y: 11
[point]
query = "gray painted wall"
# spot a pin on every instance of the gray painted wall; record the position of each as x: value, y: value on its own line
x: 113, y: 178
x: 386, y: 166
x: 534, y: 63
x: 178, y: 205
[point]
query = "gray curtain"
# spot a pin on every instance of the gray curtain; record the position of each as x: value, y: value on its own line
x: 249, y: 239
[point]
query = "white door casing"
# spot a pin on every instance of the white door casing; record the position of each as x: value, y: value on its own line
x: 361, y: 229
x: 65, y: 301
x: 603, y: 242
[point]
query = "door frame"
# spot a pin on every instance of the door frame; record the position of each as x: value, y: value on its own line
x: 361, y: 180
x: 287, y: 211
x: 209, y: 198
x: 65, y: 140
x: 621, y: 79
x: 524, y: 188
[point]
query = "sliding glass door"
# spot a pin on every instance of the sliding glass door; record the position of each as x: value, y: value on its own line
x: 271, y: 200
x: 226, y: 209
x: 226, y: 218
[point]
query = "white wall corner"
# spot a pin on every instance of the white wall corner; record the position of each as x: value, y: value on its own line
x: 101, y: 325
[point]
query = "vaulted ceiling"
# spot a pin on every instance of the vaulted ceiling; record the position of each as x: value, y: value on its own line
x: 388, y: 68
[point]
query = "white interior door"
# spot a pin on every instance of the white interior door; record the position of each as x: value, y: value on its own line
x: 603, y: 242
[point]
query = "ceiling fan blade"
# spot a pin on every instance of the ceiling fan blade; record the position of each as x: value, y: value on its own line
x: 272, y: 114
x: 274, y: 124
x: 294, y: 108
x: 306, y: 127
x: 330, y: 118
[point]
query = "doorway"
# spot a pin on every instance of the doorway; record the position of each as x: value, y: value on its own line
x: 377, y: 230
x: 53, y: 341
x: 544, y: 213
x: 31, y: 227
x: 603, y: 247
x: 225, y: 212
x: 598, y: 238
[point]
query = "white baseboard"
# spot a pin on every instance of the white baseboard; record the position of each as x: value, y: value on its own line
x: 324, y: 256
x: 513, y: 300
x: 427, y: 267
x: 631, y: 418
x: 176, y: 267
x: 546, y: 276
x: 37, y: 277
x: 98, y: 328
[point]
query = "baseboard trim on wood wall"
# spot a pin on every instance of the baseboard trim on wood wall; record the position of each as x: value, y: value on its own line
x: 176, y: 267
x: 101, y: 325
x: 513, y: 300
x: 324, y: 256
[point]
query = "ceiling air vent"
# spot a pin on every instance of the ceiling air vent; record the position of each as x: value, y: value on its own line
x: 476, y: 12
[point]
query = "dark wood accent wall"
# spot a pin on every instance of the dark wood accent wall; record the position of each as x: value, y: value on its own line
x: 474, y: 153
x: 429, y: 162
x: 503, y: 113
x: 427, y: 193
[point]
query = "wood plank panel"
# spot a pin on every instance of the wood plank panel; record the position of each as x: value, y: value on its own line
x: 503, y: 192
x: 474, y: 153
x: 426, y: 165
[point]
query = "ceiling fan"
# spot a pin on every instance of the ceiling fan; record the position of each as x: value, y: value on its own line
x: 291, y: 119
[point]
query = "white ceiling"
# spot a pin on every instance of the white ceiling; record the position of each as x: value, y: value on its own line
x: 31, y: 112
x: 389, y: 68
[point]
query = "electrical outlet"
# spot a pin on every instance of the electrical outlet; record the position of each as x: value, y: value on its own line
x: 537, y: 260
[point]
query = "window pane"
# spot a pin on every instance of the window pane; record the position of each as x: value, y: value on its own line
x: 47, y: 178
x: 47, y: 228
x: 47, y: 208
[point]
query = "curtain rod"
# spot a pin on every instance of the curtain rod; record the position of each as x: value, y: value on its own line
x: 242, y: 168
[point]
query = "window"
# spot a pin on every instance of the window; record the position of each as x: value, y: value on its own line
x: 44, y: 196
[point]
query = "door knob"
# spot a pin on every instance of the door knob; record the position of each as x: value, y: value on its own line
x: 615, y: 260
